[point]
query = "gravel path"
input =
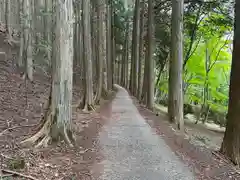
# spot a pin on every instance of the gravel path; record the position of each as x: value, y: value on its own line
x: 133, y: 151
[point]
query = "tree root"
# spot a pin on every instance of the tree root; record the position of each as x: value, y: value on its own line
x: 88, y: 108
x: 85, y: 106
x: 105, y: 93
x: 39, y: 138
x: 10, y: 40
x: 81, y: 103
x: 97, y: 99
x: 49, y: 132
x: 91, y: 107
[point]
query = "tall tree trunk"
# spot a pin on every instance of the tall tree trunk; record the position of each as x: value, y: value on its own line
x: 88, y: 103
x: 120, y: 63
x: 126, y: 55
x: 79, y: 32
x: 81, y: 52
x: 75, y: 37
x: 122, y: 82
x: 231, y: 141
x: 175, y: 105
x: 109, y: 49
x: 113, y: 38
x: 145, y: 77
x: 28, y: 51
x: 21, y: 49
x: 47, y: 23
x: 76, y: 41
x: 2, y: 12
x: 151, y: 77
x: 57, y: 121
x: 141, y: 45
x: 100, y: 50
x: 104, y: 43
x: 35, y: 22
x: 8, y: 19
x: 93, y: 26
x: 135, y: 49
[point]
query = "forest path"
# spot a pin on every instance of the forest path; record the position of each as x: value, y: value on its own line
x: 132, y: 150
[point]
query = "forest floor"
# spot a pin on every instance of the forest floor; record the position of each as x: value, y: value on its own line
x: 20, y: 113
x: 209, y: 135
x: 22, y: 108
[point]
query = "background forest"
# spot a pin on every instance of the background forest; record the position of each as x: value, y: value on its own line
x: 172, y: 56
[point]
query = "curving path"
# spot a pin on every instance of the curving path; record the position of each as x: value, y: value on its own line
x: 133, y: 151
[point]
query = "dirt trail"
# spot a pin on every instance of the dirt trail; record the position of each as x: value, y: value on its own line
x: 133, y: 150
x: 137, y: 144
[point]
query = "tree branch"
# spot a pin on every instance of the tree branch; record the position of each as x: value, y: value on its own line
x: 220, y: 49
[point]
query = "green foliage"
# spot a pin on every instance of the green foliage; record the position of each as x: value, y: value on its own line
x: 207, y: 38
x: 120, y: 15
x: 209, y: 74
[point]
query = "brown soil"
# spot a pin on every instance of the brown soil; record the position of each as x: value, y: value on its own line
x: 20, y: 112
x: 204, y: 162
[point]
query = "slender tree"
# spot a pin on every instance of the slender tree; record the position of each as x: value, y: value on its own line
x: 88, y: 100
x: 109, y: 47
x: 135, y: 49
x: 231, y: 141
x: 27, y: 36
x: 101, y: 49
x: 113, y: 40
x: 8, y: 20
x: 141, y: 46
x: 57, y: 120
x: 21, y: 49
x: 105, y: 54
x: 2, y: 13
x: 150, y: 76
x: 175, y: 96
x: 145, y: 77
x: 125, y: 55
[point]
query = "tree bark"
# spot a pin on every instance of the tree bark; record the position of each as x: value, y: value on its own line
x: 109, y: 48
x: 93, y: 27
x: 120, y: 63
x: 21, y: 50
x: 175, y: 105
x: 75, y: 38
x: 28, y: 51
x: 145, y: 77
x: 231, y: 141
x: 135, y: 49
x: 57, y: 121
x: 141, y: 46
x: 88, y: 103
x: 101, y: 49
x: 2, y: 12
x: 112, y: 14
x: 81, y: 51
x: 105, y: 55
x: 151, y: 76
x: 8, y: 19
x: 125, y: 55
